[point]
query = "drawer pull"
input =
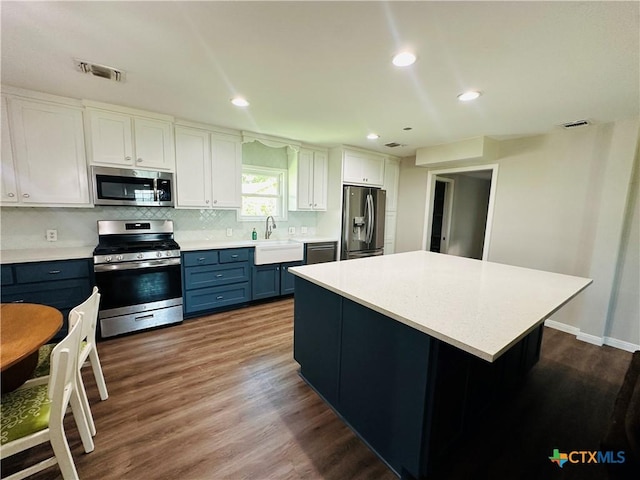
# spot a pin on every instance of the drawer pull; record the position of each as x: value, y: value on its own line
x: 144, y: 317
x: 234, y: 256
x: 54, y: 272
x: 219, y: 275
x: 201, y: 259
x: 219, y: 297
x: 18, y: 301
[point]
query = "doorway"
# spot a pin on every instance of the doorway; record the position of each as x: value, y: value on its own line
x: 441, y: 221
x: 459, y: 223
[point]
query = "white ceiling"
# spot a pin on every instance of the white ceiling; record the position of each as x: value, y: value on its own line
x: 321, y: 72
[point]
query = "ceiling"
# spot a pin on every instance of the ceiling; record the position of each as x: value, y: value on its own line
x: 321, y: 72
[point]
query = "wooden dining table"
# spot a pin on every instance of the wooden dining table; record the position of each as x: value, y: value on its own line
x: 24, y: 328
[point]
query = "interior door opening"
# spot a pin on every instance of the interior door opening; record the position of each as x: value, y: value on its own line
x: 458, y: 222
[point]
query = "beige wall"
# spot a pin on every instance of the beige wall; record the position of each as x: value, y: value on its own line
x: 560, y: 206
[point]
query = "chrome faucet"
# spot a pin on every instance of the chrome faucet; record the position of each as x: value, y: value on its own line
x: 267, y: 232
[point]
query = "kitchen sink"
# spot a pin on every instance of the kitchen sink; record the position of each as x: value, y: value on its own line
x: 278, y: 251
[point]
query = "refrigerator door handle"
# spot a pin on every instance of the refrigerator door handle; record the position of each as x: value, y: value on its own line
x: 370, y: 218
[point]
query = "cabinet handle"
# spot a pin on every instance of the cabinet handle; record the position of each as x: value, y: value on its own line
x: 277, y: 268
x: 201, y: 259
x: 54, y: 272
x: 139, y: 160
x: 315, y: 204
x: 128, y: 159
x: 234, y: 256
x: 215, y: 201
x: 18, y: 301
x: 219, y: 275
x: 10, y: 195
x: 207, y: 202
x: 219, y: 297
x: 26, y: 195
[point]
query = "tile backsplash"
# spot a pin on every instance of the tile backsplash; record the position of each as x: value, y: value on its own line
x: 25, y: 227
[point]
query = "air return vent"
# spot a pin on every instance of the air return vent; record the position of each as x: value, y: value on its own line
x: 577, y: 123
x: 394, y: 144
x: 101, y: 71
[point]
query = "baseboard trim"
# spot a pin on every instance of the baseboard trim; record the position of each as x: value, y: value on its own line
x: 592, y: 339
x: 621, y: 344
x: 563, y: 327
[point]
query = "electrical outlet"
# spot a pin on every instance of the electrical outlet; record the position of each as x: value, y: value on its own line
x: 292, y: 230
x: 52, y: 235
x: 229, y: 232
x: 303, y: 230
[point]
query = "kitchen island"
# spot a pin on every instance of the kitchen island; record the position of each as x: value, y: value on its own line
x: 412, y: 349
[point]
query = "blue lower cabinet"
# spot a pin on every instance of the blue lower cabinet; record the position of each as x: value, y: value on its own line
x: 273, y: 280
x: 62, y: 284
x: 214, y: 279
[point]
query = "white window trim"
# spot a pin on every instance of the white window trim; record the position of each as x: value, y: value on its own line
x: 283, y: 193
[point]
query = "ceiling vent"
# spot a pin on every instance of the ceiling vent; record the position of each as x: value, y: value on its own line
x: 101, y: 71
x: 577, y: 123
x: 394, y: 144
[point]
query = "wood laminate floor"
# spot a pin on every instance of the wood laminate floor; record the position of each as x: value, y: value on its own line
x: 219, y: 397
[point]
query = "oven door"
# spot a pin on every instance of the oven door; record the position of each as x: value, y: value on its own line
x: 138, y: 295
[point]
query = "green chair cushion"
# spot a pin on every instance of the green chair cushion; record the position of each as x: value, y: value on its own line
x: 23, y: 412
x: 43, y: 367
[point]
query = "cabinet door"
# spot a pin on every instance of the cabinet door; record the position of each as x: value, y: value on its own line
x: 9, y: 193
x: 193, y: 176
x: 49, y: 153
x: 110, y: 139
x: 265, y: 281
x: 389, y: 232
x: 154, y: 144
x: 287, y: 280
x: 320, y: 173
x: 391, y: 177
x: 305, y: 185
x: 226, y: 162
x: 363, y: 169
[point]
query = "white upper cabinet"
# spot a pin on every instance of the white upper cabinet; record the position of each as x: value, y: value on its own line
x: 361, y: 168
x: 308, y: 172
x: 209, y: 169
x: 391, y: 178
x: 193, y: 175
x: 226, y: 171
x: 120, y: 139
x: 9, y: 193
x: 48, y: 144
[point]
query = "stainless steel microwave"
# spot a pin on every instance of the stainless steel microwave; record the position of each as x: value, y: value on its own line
x: 119, y: 186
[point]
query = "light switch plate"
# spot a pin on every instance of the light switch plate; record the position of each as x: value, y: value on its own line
x: 303, y: 230
x: 292, y: 230
x: 52, y: 235
x: 229, y: 232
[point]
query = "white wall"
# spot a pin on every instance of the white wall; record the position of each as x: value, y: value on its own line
x: 560, y: 206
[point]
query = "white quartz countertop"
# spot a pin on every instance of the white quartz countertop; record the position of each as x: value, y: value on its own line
x: 45, y: 254
x: 71, y: 253
x: 480, y: 307
x: 190, y: 245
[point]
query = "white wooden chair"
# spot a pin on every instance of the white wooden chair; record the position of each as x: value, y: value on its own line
x: 34, y: 414
x: 89, y: 309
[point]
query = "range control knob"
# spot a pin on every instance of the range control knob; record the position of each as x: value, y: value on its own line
x: 139, y: 255
x: 169, y: 253
x: 158, y: 254
x: 108, y: 259
x: 119, y: 258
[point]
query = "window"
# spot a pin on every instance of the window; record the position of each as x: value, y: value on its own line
x: 264, y: 193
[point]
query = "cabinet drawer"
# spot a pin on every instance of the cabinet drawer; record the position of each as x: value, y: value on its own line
x: 63, y: 295
x: 202, y: 277
x: 207, y: 257
x: 7, y: 275
x: 234, y: 255
x: 47, y: 271
x: 215, y: 297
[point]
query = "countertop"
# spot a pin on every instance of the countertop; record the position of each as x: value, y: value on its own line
x: 480, y: 307
x: 71, y: 253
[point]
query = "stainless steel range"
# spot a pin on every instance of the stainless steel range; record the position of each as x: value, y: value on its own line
x: 137, y: 269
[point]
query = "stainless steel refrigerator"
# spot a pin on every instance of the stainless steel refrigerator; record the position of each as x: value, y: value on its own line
x: 362, y: 222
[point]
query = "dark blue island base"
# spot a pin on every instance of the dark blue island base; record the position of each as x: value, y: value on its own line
x: 407, y: 395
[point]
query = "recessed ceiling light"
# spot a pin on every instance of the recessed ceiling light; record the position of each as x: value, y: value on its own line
x: 239, y: 102
x: 404, y: 59
x: 467, y: 96
x: 373, y: 136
